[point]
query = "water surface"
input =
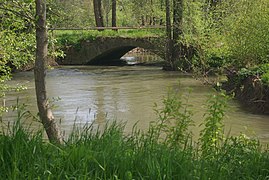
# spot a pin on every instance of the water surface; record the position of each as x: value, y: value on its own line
x: 126, y: 94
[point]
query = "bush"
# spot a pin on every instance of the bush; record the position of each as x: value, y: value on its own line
x: 229, y: 33
x: 261, y: 72
x: 247, y: 29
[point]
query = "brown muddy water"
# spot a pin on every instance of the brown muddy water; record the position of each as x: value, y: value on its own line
x: 96, y: 94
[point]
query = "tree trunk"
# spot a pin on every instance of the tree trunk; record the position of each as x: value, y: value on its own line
x: 97, y: 5
x: 142, y: 20
x: 177, y: 18
x: 169, y: 46
x: 45, y: 113
x: 177, y: 30
x: 114, y: 13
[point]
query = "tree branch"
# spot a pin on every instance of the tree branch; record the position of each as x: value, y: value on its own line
x: 26, y: 16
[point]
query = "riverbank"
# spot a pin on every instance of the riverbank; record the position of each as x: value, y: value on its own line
x: 250, y: 87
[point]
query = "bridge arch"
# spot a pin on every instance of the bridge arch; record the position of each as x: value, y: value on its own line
x: 101, y: 49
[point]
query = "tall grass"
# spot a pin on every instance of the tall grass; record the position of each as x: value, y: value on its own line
x: 155, y: 154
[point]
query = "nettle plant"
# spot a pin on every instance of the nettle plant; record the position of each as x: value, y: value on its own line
x: 174, y: 119
x: 212, y: 135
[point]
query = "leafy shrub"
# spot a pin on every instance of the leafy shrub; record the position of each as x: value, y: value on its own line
x: 265, y: 78
x: 229, y: 33
x: 260, y: 71
x: 247, y: 31
x: 212, y: 134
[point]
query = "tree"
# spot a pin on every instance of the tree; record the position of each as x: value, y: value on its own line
x: 114, y: 13
x: 246, y: 25
x: 177, y: 18
x: 70, y: 13
x: 97, y: 5
x: 147, y: 12
x: 168, y: 47
x: 17, y: 41
x: 173, y: 32
x: 45, y: 112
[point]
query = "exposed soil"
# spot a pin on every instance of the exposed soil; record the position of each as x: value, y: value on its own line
x: 250, y: 91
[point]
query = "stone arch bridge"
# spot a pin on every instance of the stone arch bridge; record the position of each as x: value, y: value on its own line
x: 103, y: 49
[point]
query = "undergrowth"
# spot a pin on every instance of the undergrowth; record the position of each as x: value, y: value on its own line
x: 165, y: 151
x: 261, y: 71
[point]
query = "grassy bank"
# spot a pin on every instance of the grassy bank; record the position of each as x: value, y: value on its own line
x: 165, y: 151
x: 74, y: 37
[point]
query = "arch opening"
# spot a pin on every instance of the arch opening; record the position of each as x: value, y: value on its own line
x: 127, y: 55
x: 141, y: 56
x: 111, y: 56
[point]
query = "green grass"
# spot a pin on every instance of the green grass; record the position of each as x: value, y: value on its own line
x: 74, y: 37
x: 111, y: 154
x: 135, y: 33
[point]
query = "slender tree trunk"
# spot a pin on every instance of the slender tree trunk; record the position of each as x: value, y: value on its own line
x: 107, y: 19
x: 45, y: 112
x: 97, y: 5
x: 168, y: 21
x: 177, y: 18
x: 114, y: 13
x: 142, y: 20
x: 169, y: 46
x: 177, y: 30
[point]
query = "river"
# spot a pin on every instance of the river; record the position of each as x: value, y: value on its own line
x: 84, y: 94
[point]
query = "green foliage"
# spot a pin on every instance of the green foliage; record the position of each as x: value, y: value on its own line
x: 202, y: 30
x: 247, y: 29
x: 174, y: 119
x: 80, y: 14
x: 212, y: 134
x: 66, y: 14
x: 260, y: 71
x: 265, y: 78
x: 227, y: 33
x: 17, y: 42
x: 241, y: 152
x: 18, y: 48
x: 151, y: 13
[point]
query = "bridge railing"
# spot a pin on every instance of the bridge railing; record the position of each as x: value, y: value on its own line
x: 111, y: 28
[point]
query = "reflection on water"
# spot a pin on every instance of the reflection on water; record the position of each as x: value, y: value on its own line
x: 126, y: 94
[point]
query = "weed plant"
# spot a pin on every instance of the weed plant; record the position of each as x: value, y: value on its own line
x: 165, y: 151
